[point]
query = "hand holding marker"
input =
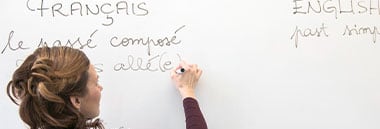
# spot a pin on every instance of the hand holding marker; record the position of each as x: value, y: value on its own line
x: 180, y: 71
x: 185, y: 77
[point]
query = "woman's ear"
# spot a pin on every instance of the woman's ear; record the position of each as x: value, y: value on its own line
x: 75, y: 101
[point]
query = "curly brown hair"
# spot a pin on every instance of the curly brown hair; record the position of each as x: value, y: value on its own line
x: 42, y: 87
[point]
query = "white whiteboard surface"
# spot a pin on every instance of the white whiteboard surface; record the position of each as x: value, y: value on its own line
x: 257, y: 73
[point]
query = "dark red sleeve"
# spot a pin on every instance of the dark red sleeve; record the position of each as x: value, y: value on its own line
x: 194, y: 117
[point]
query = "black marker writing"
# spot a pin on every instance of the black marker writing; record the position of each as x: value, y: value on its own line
x: 125, y: 41
x: 15, y: 47
x: 46, y: 9
x: 98, y: 68
x: 110, y: 19
x: 355, y: 30
x: 308, y: 33
x: 76, y: 43
x: 336, y: 7
x: 19, y: 62
x: 153, y: 64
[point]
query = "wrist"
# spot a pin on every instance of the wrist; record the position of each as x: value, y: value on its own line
x: 187, y: 93
x: 188, y: 96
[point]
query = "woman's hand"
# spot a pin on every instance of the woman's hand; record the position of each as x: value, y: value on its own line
x: 186, y: 82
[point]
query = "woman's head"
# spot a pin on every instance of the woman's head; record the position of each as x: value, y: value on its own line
x: 56, y: 87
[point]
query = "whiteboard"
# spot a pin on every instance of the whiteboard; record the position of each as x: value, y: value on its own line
x: 295, y: 64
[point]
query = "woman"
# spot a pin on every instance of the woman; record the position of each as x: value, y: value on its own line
x: 57, y: 88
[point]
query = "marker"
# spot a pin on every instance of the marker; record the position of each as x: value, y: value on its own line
x: 180, y: 71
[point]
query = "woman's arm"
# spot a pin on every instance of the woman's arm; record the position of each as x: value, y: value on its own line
x: 194, y: 117
x: 185, y: 83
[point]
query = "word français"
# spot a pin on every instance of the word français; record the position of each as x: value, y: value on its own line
x: 46, y: 8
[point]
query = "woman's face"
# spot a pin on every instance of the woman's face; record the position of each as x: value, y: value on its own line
x: 90, y: 102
